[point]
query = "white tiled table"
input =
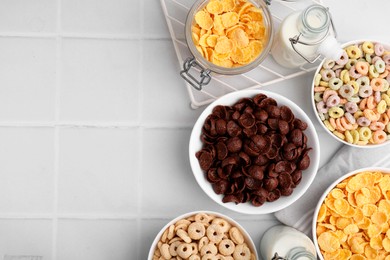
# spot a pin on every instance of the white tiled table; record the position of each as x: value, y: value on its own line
x: 95, y: 123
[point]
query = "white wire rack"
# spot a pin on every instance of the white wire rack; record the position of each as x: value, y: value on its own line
x: 268, y: 72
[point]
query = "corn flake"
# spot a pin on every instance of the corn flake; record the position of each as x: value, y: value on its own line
x: 386, y: 244
x: 379, y: 218
x: 204, y: 20
x: 322, y: 213
x: 328, y: 242
x: 214, y: 7
x: 228, y: 5
x: 353, y: 221
x: 239, y: 37
x: 341, y: 206
x: 376, y: 243
x: 224, y: 45
x: 229, y: 19
x: 239, y: 21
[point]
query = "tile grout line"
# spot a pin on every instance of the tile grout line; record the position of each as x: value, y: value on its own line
x: 56, y: 131
x: 140, y: 129
x: 86, y: 36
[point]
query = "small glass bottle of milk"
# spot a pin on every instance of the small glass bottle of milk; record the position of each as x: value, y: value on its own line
x: 286, y: 243
x: 304, y: 36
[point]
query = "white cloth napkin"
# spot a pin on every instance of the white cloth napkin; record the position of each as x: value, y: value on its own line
x: 300, y: 214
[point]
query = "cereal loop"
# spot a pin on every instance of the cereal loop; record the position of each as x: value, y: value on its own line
x: 164, y: 249
x: 226, y: 247
x: 319, y: 89
x: 328, y: 93
x: 335, y: 83
x: 202, y: 242
x: 348, y: 137
x: 377, y: 84
x: 336, y: 112
x: 351, y: 107
x: 372, y: 72
x: 202, y: 218
x: 317, y: 79
x: 375, y: 126
x: 368, y: 47
x: 183, y: 235
x: 362, y: 67
x: 339, y: 135
x: 328, y: 64
x: 365, y: 133
x: 380, y: 66
x: 333, y: 100
x: 379, y: 49
x: 384, y: 119
x: 196, y: 230
x: 236, y: 236
x: 351, y: 119
x: 215, y: 233
x: 381, y: 107
x: 371, y: 102
x: 173, y: 247
x: 328, y: 125
x: 184, y: 250
x: 346, y: 91
x: 327, y: 74
x: 379, y: 136
x: 353, y: 52
x: 225, y: 226
x: 209, y: 249
x: 343, y: 59
x: 369, y: 114
x: 242, y: 252
x: 346, y: 125
x: 339, y: 126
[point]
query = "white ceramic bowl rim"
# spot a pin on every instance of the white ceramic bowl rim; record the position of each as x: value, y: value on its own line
x: 268, y: 207
x: 247, y: 237
x: 314, y: 222
x: 314, y: 105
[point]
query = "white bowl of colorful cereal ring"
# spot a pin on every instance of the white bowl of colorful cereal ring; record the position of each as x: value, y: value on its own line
x: 351, y: 96
x: 229, y: 37
x: 254, y: 151
x: 351, y: 220
x: 203, y: 235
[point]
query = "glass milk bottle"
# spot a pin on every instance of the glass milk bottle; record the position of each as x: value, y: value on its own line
x: 304, y: 36
x: 286, y: 243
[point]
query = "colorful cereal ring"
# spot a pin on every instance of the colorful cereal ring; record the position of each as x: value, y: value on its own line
x: 379, y: 137
x: 365, y: 133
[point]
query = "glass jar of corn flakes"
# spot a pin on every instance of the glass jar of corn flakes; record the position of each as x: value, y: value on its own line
x: 226, y: 37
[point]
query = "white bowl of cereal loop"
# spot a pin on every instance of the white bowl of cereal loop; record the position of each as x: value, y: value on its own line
x: 226, y: 37
x: 254, y: 151
x: 351, y: 219
x: 203, y: 235
x: 351, y: 96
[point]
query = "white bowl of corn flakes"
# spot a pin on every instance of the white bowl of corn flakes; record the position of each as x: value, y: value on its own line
x: 229, y: 37
x: 203, y: 235
x: 351, y: 96
x: 351, y: 220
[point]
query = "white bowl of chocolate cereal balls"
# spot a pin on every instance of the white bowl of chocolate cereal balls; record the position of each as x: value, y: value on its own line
x: 203, y: 235
x: 351, y: 96
x: 254, y: 151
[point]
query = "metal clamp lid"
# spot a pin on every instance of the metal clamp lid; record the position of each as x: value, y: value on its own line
x: 268, y: 2
x: 204, y: 74
x: 294, y: 40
